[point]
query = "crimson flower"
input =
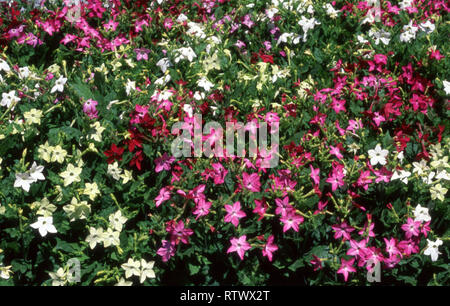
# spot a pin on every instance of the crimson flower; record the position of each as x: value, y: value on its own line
x: 115, y: 153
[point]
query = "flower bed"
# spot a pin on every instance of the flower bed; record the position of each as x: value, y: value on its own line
x: 95, y: 94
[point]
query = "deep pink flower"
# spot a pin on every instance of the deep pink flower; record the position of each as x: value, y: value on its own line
x: 163, y: 162
x: 219, y: 174
x: 291, y: 220
x: 234, y: 213
x: 240, y: 246
x: 164, y: 195
x: 166, y: 251
x: 269, y: 248
x: 251, y: 181
x: 202, y: 208
x: 346, y: 267
x: 408, y: 247
x: 179, y: 232
x: 260, y: 209
x: 391, y: 247
x: 343, y: 230
x: 411, y: 228
x: 357, y: 248
x: 315, y: 174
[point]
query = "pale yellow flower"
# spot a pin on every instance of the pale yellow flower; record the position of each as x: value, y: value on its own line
x: 72, y: 174
x: 91, y: 190
x: 33, y: 116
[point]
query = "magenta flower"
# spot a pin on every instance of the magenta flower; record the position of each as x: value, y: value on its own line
x: 269, y: 248
x: 357, y: 248
x: 343, y: 230
x: 234, y: 213
x: 336, y: 152
x: 89, y: 108
x: 248, y: 21
x: 260, y: 209
x: 166, y: 251
x: 346, y: 267
x: 219, y: 174
x: 164, y: 162
x: 364, y: 180
x: 336, y: 181
x: 179, y: 232
x: 283, y: 206
x: 168, y: 23
x: 202, y: 208
x: 239, y: 246
x: 391, y: 247
x: 291, y: 220
x: 142, y: 54
x: 164, y: 195
x: 411, y: 228
x: 408, y: 247
x: 315, y: 175
x: 251, y: 181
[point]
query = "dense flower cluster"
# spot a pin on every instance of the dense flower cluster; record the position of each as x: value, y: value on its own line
x: 357, y: 90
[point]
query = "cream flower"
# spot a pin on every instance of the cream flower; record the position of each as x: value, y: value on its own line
x: 72, y: 174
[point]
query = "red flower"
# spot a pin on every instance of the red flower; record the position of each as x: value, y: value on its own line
x: 115, y: 153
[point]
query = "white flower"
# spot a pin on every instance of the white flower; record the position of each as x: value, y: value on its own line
x: 271, y: 12
x: 361, y: 39
x: 5, y: 272
x: 443, y: 175
x: 131, y: 85
x: 307, y: 24
x: 196, y: 30
x: 205, y: 84
x: 59, y: 278
x: 36, y: 172
x: 59, y: 84
x: 420, y: 167
x: 45, y: 225
x: 164, y: 64
x: 24, y: 72
x: 409, y: 32
x: 114, y: 171
x: 405, y: 3
x: 432, y: 249
x: 122, y: 282
x: 381, y: 35
x: 111, y: 237
x: 429, y: 179
x: 9, y: 98
x: 401, y: 175
x: 331, y: 11
x: 446, y: 87
x: 421, y: 214
x: 427, y: 27
x: 4, y: 66
x: 117, y: 220
x: 401, y: 156
x: 95, y: 236
x: 182, y: 18
x: 378, y: 156
x: 23, y: 180
x: 131, y: 268
x: 185, y: 53
x: 199, y: 96
x: 146, y: 270
x: 188, y: 109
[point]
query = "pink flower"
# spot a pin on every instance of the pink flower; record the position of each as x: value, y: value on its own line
x: 202, y: 208
x: 346, y: 267
x: 219, y: 174
x: 269, y: 248
x: 411, y: 228
x: 357, y: 248
x: 283, y: 206
x: 260, y: 209
x: 248, y: 21
x: 336, y: 181
x: 315, y: 174
x: 163, y: 162
x: 234, y: 213
x: 166, y: 251
x: 251, y: 181
x: 240, y: 246
x: 111, y: 25
x: 179, y: 232
x: 391, y: 247
x: 364, y: 180
x: 336, y: 151
x: 164, y: 195
x: 89, y: 107
x: 377, y: 118
x: 168, y: 23
x: 408, y: 247
x: 142, y: 54
x: 343, y: 230
x: 291, y: 220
